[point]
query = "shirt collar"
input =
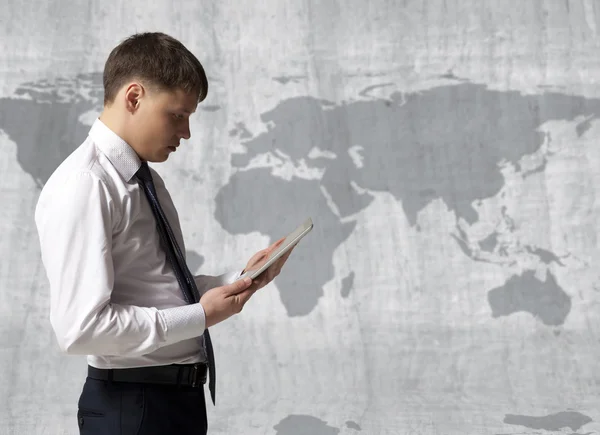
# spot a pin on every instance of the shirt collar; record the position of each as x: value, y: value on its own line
x: 119, y: 153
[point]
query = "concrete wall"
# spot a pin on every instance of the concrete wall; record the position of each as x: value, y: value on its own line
x: 448, y: 154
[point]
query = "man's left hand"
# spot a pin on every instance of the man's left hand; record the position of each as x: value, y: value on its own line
x: 260, y: 258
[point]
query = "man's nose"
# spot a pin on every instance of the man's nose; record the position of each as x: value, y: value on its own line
x: 185, y: 131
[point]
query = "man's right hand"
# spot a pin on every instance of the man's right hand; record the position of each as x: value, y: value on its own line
x: 220, y: 303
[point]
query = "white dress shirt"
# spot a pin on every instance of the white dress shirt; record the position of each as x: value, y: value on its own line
x: 113, y: 294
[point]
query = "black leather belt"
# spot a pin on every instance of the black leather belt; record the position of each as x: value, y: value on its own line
x: 185, y: 375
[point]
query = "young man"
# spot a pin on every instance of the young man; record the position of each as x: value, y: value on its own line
x: 112, y: 246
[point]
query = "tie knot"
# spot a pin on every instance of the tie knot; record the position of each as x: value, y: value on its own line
x: 144, y: 172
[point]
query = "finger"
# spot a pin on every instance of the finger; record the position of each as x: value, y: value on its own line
x: 240, y: 299
x: 238, y: 286
x: 259, y: 256
x: 276, y: 244
x: 277, y: 270
x: 285, y: 256
x: 272, y: 273
x: 281, y: 261
x: 279, y: 264
x: 261, y: 280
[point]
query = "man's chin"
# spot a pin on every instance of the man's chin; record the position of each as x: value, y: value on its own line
x: 160, y: 158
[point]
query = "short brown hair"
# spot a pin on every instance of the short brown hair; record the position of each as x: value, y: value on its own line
x: 158, y: 60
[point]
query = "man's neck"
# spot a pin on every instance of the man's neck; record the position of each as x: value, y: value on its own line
x: 109, y: 119
x: 114, y: 122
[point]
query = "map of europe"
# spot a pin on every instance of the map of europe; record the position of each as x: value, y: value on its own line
x: 328, y: 160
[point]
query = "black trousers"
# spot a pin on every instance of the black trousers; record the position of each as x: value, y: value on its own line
x: 119, y: 408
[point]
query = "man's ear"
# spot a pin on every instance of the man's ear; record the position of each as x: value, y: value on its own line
x: 133, y: 94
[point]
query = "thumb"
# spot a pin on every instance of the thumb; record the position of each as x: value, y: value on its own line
x: 237, y: 287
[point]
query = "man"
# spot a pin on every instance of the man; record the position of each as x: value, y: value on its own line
x: 112, y: 246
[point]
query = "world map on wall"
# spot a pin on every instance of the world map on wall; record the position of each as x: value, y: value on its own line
x: 328, y: 160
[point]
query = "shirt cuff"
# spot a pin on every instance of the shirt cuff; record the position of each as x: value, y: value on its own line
x: 183, y: 323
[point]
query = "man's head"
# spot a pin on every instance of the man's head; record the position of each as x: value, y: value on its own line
x: 152, y: 84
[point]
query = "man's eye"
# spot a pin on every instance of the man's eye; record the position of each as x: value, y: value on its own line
x: 177, y: 116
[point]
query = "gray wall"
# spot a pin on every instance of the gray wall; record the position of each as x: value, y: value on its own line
x: 448, y: 154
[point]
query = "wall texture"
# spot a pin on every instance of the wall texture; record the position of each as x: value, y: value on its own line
x: 447, y: 151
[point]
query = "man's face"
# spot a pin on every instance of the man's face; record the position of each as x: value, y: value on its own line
x: 159, y: 123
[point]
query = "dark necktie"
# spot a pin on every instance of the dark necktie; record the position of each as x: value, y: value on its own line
x: 177, y: 260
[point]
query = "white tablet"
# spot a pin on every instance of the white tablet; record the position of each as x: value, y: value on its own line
x: 289, y: 242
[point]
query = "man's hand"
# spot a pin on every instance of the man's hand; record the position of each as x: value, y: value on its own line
x: 260, y: 258
x: 220, y: 303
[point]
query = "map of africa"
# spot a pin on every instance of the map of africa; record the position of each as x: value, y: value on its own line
x: 328, y: 160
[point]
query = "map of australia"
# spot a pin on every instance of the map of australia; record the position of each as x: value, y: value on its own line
x: 327, y: 160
